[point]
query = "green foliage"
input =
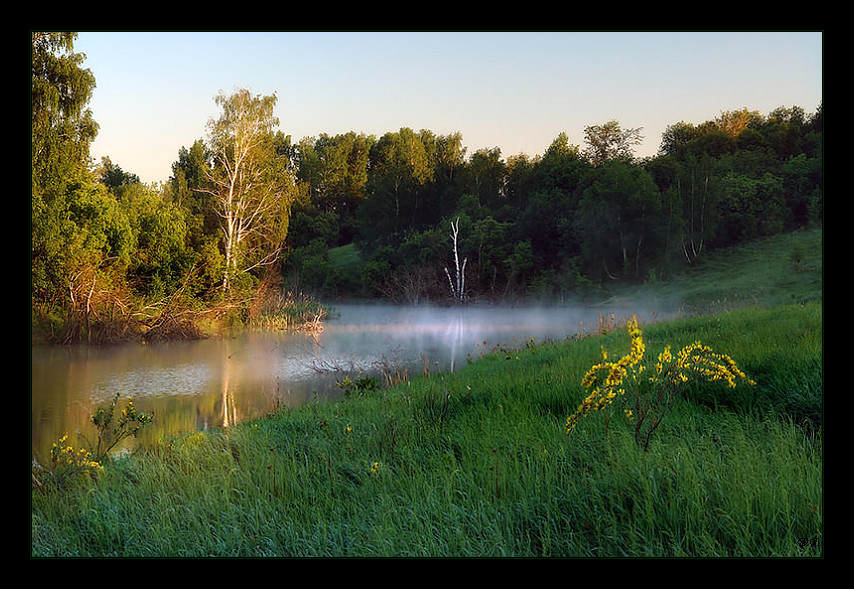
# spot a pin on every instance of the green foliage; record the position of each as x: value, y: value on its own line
x: 571, y: 222
x: 162, y: 259
x: 618, y: 217
x: 62, y: 129
x: 251, y: 184
x: 62, y: 126
x: 113, y: 177
x: 590, y: 216
x: 751, y: 208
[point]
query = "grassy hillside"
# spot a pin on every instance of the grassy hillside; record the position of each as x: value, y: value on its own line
x: 780, y: 270
x: 477, y: 463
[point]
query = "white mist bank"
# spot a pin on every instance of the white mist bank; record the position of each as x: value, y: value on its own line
x: 448, y: 334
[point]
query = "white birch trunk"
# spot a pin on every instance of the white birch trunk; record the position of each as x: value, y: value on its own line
x: 458, y: 287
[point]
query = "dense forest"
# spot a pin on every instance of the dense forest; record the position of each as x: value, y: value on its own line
x: 253, y: 226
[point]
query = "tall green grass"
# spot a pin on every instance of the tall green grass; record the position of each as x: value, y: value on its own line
x: 476, y: 463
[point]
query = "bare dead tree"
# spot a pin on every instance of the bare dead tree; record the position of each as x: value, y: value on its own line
x: 458, y: 287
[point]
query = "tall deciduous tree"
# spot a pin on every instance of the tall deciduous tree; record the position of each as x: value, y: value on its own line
x: 252, y: 185
x: 113, y: 177
x: 486, y: 178
x: 189, y: 174
x: 62, y: 129
x: 676, y: 137
x: 694, y: 196
x: 618, y: 218
x: 447, y: 155
x: 336, y: 170
x: 734, y: 122
x: 610, y: 142
x: 399, y: 169
x: 62, y: 125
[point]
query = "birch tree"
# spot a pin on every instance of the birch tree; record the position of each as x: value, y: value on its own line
x: 458, y: 286
x: 251, y: 185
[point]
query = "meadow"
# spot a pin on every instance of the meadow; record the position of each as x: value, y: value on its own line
x: 478, y: 462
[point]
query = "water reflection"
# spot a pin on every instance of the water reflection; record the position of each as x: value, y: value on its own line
x: 217, y: 382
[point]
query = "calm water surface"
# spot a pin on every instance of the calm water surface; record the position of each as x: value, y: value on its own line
x: 217, y: 382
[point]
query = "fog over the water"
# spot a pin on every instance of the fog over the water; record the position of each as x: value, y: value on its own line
x: 447, y: 335
x: 223, y: 380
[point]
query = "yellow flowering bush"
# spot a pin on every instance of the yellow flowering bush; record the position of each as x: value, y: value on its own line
x: 65, y: 463
x: 112, y: 430
x: 61, y: 454
x: 649, y: 394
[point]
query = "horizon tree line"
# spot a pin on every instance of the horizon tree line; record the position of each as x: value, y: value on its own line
x: 248, y: 211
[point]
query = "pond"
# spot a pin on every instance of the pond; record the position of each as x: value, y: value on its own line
x: 217, y: 382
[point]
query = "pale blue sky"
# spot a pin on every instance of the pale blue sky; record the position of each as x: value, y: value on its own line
x: 512, y: 90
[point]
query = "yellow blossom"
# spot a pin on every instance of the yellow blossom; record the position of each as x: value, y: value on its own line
x: 605, y: 382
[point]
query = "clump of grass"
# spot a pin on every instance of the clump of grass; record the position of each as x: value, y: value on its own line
x: 285, y: 310
x: 779, y: 347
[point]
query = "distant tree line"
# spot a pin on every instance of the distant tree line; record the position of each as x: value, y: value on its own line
x: 250, y: 220
x: 553, y: 225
